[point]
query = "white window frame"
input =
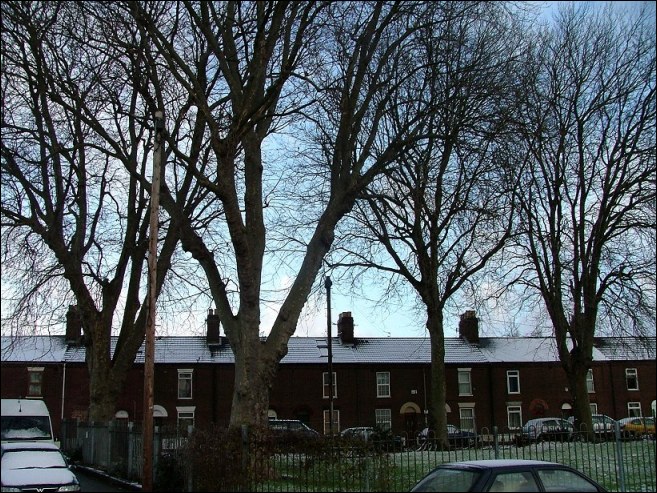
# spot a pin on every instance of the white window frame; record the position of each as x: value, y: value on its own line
x: 382, y: 384
x: 467, y: 422
x: 512, y: 375
x: 634, y: 409
x: 325, y: 385
x: 593, y: 406
x: 590, y: 384
x: 185, y: 375
x: 36, y: 382
x: 186, y: 413
x: 465, y: 381
x: 336, y: 421
x: 383, y: 419
x: 514, y: 409
x: 632, y: 374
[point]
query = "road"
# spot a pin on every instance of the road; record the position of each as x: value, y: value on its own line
x: 93, y: 481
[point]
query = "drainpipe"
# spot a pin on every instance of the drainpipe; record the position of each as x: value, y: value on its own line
x: 63, y: 394
x: 424, y: 388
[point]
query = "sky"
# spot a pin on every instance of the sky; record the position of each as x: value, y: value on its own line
x: 372, y: 318
x: 395, y: 318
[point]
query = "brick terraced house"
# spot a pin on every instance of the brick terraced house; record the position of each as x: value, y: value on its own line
x: 491, y: 381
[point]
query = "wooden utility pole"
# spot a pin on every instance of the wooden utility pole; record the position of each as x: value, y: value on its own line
x: 149, y: 353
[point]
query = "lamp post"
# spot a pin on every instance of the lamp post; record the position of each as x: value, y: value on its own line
x: 149, y: 353
x: 327, y: 284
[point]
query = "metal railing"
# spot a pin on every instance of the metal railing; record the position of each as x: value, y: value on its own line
x: 210, y: 460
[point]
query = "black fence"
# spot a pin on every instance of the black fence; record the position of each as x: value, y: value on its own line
x: 216, y: 460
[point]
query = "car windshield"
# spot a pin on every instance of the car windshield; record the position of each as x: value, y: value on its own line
x: 32, y: 459
x: 25, y: 428
x: 448, y: 479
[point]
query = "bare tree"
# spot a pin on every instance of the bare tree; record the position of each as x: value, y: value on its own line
x: 437, y: 217
x: 275, y: 65
x: 588, y: 192
x: 75, y: 197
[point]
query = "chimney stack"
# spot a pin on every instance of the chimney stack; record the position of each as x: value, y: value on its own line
x: 346, y: 327
x: 73, y: 325
x: 212, y: 321
x: 469, y: 326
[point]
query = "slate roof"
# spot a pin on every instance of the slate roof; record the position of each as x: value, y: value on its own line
x: 313, y: 350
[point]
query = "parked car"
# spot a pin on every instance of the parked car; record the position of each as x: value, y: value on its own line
x: 456, y: 437
x: 365, y: 433
x: 541, y: 429
x: 292, y: 428
x: 506, y: 475
x: 36, y: 466
x: 635, y: 427
x: 603, y: 425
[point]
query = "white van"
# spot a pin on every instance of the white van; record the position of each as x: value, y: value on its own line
x: 26, y: 420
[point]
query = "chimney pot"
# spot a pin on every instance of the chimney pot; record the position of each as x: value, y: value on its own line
x: 346, y: 327
x: 469, y: 326
x: 73, y: 325
x: 213, y: 337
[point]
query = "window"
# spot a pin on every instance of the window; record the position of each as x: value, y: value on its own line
x: 514, y: 416
x: 326, y: 383
x: 589, y: 382
x: 185, y: 417
x: 634, y: 409
x: 465, y: 382
x: 185, y: 384
x: 560, y: 480
x: 467, y: 417
x: 35, y: 379
x: 383, y: 419
x: 336, y: 421
x: 632, y: 379
x: 513, y: 381
x: 514, y: 481
x: 383, y: 384
x: 594, y: 407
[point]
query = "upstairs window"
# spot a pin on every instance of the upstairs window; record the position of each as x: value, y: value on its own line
x: 465, y: 381
x: 185, y: 384
x: 326, y: 383
x: 35, y: 381
x: 383, y: 384
x: 632, y: 379
x: 513, y: 381
x: 589, y: 382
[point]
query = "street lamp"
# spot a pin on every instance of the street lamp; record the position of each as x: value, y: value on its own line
x: 327, y: 284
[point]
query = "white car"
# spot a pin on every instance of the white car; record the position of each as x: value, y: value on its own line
x: 36, y: 466
x: 602, y: 425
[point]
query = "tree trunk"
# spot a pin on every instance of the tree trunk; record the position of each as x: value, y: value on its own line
x: 255, y: 370
x: 104, y: 387
x: 576, y: 373
x: 437, y: 413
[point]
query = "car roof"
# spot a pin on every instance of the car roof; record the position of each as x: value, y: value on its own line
x: 29, y: 446
x: 488, y: 463
x: 550, y: 418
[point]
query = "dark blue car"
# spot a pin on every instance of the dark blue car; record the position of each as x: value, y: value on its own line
x: 457, y: 438
x: 506, y: 475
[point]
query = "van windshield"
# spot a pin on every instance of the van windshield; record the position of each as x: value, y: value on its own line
x: 26, y: 428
